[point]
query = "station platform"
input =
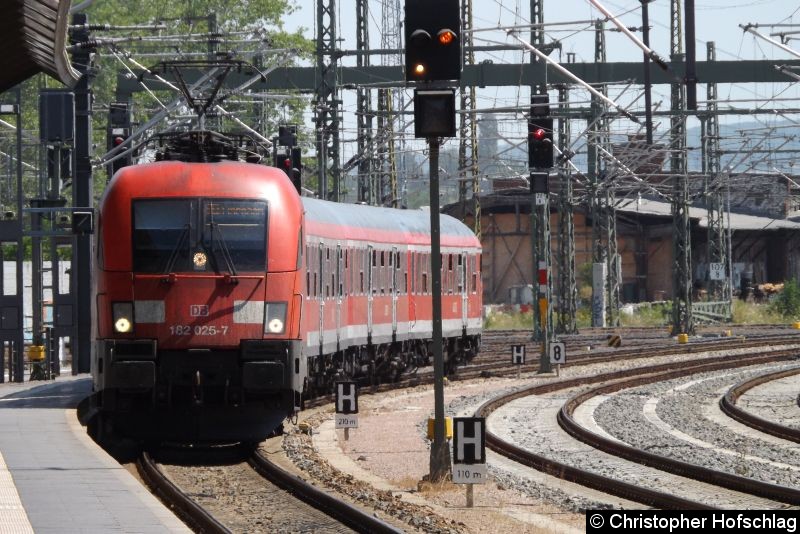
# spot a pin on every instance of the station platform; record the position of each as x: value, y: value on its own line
x: 54, y: 478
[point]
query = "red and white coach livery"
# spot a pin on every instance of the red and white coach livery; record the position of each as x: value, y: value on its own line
x: 224, y: 299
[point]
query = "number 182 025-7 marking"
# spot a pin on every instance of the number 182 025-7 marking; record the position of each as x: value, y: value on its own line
x: 198, y: 330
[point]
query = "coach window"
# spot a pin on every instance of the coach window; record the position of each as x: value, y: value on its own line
x: 384, y: 272
x: 346, y: 271
x: 473, y: 274
x: 420, y: 270
x: 299, y: 249
x: 426, y: 265
x: 339, y: 272
x: 403, y: 267
x: 461, y: 280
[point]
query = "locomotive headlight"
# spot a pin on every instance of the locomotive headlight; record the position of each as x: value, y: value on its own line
x: 275, y: 320
x: 200, y: 260
x: 122, y: 317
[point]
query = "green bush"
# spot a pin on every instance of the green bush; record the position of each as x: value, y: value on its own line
x: 787, y: 302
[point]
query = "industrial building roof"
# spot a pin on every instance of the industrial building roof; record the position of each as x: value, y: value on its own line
x: 739, y: 221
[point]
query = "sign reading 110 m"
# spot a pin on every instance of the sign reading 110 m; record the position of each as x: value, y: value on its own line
x: 469, y: 450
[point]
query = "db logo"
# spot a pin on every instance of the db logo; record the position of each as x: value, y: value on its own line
x: 198, y: 310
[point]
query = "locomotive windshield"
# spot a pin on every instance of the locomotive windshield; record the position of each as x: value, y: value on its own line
x: 191, y: 235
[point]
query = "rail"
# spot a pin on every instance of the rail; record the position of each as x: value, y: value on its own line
x: 343, y: 512
x: 189, y: 511
x: 728, y: 405
x: 619, y: 488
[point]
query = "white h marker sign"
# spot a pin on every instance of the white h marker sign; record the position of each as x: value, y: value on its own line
x: 469, y: 452
x: 346, y: 397
x: 346, y: 407
x: 518, y: 354
x: 474, y: 426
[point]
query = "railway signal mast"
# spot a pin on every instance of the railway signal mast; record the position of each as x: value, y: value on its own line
x: 433, y: 66
x: 540, y: 161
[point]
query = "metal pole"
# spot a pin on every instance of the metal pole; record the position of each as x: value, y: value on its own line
x: 16, y: 362
x: 691, y: 75
x: 83, y: 197
x: 543, y: 284
x: 440, y: 453
x: 648, y: 97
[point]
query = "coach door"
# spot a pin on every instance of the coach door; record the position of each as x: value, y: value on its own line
x: 394, y: 265
x: 339, y: 289
x: 321, y: 294
x: 370, y: 285
x: 463, y: 278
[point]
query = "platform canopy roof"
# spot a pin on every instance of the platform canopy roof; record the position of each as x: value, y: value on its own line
x: 33, y: 39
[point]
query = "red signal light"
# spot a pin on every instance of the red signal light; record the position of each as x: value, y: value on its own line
x: 118, y: 140
x: 539, y: 134
x: 446, y: 37
x: 287, y: 163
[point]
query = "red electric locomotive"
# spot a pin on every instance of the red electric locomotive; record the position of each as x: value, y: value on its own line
x: 224, y: 299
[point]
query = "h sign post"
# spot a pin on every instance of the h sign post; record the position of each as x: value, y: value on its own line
x: 469, y: 453
x: 518, y: 357
x: 346, y: 407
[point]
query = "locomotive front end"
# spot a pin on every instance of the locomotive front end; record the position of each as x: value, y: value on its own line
x: 198, y: 302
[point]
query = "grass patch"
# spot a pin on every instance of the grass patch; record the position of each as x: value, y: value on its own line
x: 500, y: 320
x: 655, y: 315
x: 751, y: 313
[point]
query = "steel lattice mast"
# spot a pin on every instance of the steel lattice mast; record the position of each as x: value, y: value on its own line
x: 468, y: 135
x: 605, y: 201
x: 599, y: 252
x: 364, y: 107
x: 391, y: 103
x: 326, y: 112
x: 682, y: 321
x: 718, y: 290
x: 567, y: 289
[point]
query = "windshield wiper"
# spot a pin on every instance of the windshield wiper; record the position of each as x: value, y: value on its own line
x: 173, y: 257
x: 223, y: 247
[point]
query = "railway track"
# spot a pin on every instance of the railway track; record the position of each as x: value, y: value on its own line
x: 191, y: 513
x: 199, y: 485
x: 625, y: 379
x: 728, y: 405
x: 347, y: 517
x: 495, y: 356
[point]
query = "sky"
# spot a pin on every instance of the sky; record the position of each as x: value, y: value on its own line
x: 717, y: 20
